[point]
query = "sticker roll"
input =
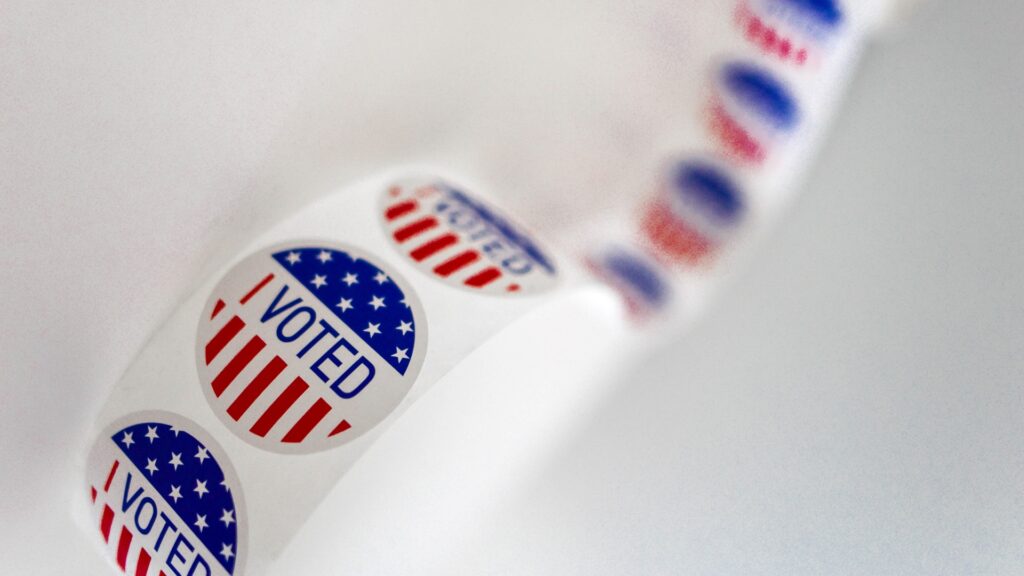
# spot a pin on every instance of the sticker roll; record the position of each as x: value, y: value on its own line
x: 291, y: 360
x: 244, y: 410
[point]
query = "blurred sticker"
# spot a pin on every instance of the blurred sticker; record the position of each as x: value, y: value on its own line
x: 165, y: 498
x: 459, y: 240
x: 308, y: 345
x: 698, y: 209
x: 637, y: 278
x: 794, y: 31
x: 751, y: 111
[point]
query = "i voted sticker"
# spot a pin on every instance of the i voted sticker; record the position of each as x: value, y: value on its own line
x: 165, y: 498
x: 461, y: 241
x: 698, y: 210
x: 308, y: 345
x: 751, y: 112
x: 794, y: 31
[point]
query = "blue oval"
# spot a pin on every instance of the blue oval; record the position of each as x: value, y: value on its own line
x: 762, y: 92
x: 710, y: 188
x: 647, y: 282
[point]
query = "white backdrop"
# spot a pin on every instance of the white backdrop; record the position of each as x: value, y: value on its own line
x: 853, y: 405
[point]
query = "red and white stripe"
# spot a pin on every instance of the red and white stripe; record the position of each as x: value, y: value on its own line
x: 771, y: 40
x: 673, y: 238
x: 427, y: 241
x: 737, y: 142
x: 257, y: 387
x: 131, y: 555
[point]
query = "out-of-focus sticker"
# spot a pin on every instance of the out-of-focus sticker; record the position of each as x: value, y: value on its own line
x: 639, y: 280
x: 463, y: 242
x: 697, y: 211
x: 751, y: 111
x: 165, y: 498
x: 308, y: 345
x: 796, y: 31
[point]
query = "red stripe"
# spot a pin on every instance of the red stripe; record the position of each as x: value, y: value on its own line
x: 110, y: 475
x: 256, y: 289
x: 417, y: 227
x: 217, y: 308
x: 400, y: 209
x: 122, y: 546
x: 341, y: 427
x: 433, y: 247
x: 734, y: 137
x: 237, y: 364
x: 221, y: 339
x: 143, y: 566
x: 106, y: 521
x: 455, y: 264
x: 253, y: 390
x: 93, y: 489
x: 484, y: 278
x: 309, y: 420
x: 279, y: 407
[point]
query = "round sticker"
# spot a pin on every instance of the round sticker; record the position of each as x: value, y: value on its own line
x: 165, y: 498
x: 751, y: 111
x: 453, y: 237
x: 697, y: 211
x: 308, y: 345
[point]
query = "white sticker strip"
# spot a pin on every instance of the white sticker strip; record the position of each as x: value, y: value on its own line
x: 765, y: 112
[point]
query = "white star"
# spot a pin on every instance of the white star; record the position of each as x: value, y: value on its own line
x: 293, y: 258
x: 345, y: 304
x: 127, y: 439
x: 175, y: 493
x: 225, y: 551
x: 372, y: 329
x: 175, y: 460
x: 200, y: 488
x: 380, y: 278
x: 176, y: 430
x: 377, y: 303
x: 350, y: 279
x: 324, y: 256
x: 151, y: 433
x: 404, y: 328
x: 200, y: 522
x: 224, y: 483
x: 227, y: 517
x: 404, y: 303
x: 202, y: 454
x: 319, y: 281
x: 401, y: 354
x: 151, y: 466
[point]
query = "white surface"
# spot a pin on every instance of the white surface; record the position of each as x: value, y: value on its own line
x: 852, y: 407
